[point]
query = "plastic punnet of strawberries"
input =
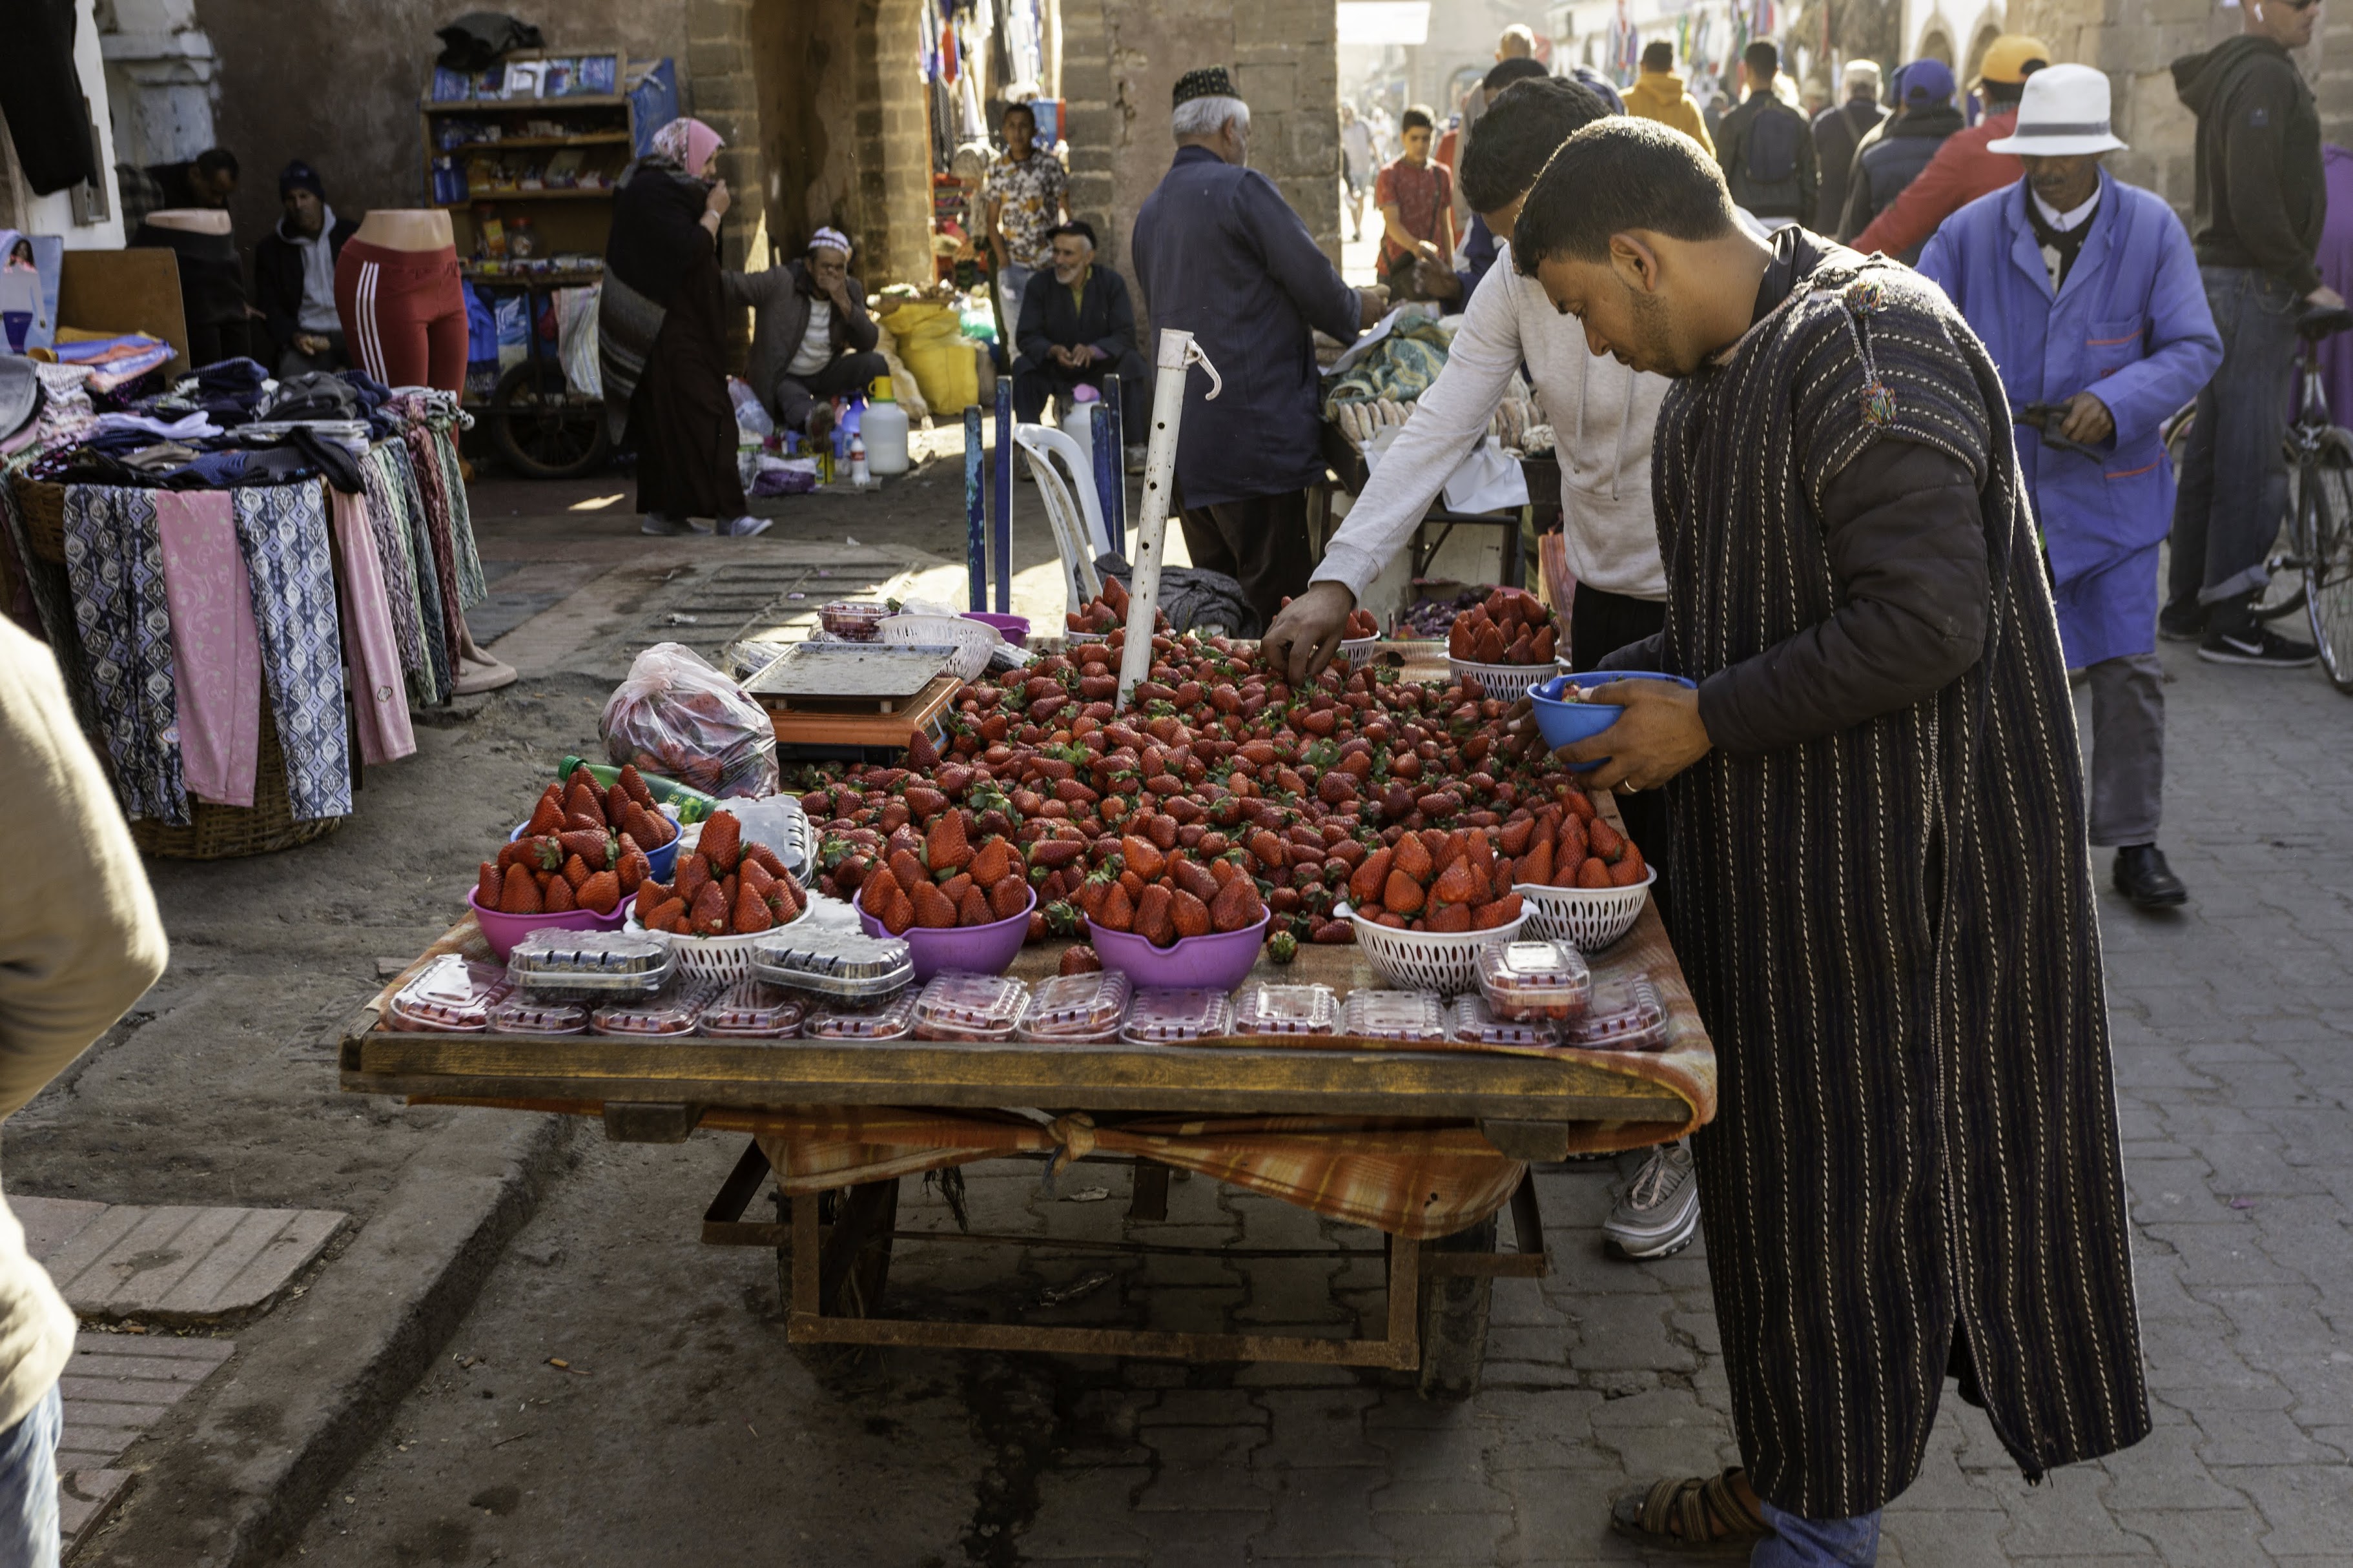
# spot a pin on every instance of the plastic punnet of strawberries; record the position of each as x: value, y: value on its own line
x: 1216, y: 762
x: 580, y: 851
x: 723, y: 887
x: 1511, y: 626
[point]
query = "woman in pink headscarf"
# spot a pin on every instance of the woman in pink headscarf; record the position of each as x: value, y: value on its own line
x: 662, y: 337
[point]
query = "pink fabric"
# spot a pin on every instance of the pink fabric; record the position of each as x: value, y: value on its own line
x: 379, y: 688
x: 216, y: 649
x: 691, y: 142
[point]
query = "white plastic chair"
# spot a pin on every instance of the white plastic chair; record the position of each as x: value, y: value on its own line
x: 1073, y: 509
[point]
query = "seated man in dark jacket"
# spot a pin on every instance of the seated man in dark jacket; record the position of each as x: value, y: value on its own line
x: 1078, y: 326
x: 294, y: 277
x: 812, y: 340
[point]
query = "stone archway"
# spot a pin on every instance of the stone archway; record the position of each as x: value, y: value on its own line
x: 1988, y: 31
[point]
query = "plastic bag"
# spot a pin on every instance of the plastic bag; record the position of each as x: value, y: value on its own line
x: 678, y: 717
x: 752, y: 420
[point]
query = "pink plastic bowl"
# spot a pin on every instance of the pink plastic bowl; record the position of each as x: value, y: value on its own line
x: 1215, y: 962
x: 503, y: 931
x: 968, y: 950
x: 1014, y: 629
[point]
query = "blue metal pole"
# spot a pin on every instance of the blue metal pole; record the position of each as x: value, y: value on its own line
x: 976, y: 510
x: 1001, y: 538
x: 1115, y: 435
x: 1101, y: 422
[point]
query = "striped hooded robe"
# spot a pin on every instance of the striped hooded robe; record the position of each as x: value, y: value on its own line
x: 1890, y: 931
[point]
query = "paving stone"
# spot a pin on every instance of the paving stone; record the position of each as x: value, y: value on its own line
x: 177, y: 1265
x: 1322, y: 1514
x: 2065, y: 1516
x: 1202, y: 1407
x: 1945, y: 1538
x: 1085, y: 1513
x: 1444, y: 1537
x: 85, y: 1499
x: 2164, y: 1471
x: 2304, y: 1505
x: 1318, y: 1430
x: 1628, y: 1333
x: 2203, y: 1537
x: 1203, y: 1469
x: 1565, y: 1519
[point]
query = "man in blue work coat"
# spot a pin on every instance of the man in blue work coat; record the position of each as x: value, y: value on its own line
x: 2086, y: 293
x: 1220, y: 255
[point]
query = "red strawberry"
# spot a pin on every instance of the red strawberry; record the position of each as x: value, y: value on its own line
x: 923, y: 756
x: 557, y: 897
x: 601, y: 892
x: 1401, y: 894
x: 1534, y: 867
x: 1452, y: 917
x: 722, y: 842
x: 1413, y: 861
x: 1188, y: 914
x: 751, y: 911
x: 1455, y: 884
x: 1154, y: 922
x: 765, y: 859
x: 1007, y: 896
x: 972, y: 908
x: 694, y: 871
x: 1607, y: 842
x: 664, y: 916
x: 634, y: 783
x: 1594, y: 873
x: 901, y: 915
x: 650, y: 896
x: 547, y: 816
x: 1118, y: 911
x: 933, y: 910
x: 575, y: 872
x: 489, y: 885
x: 1080, y: 959
x: 635, y: 869
x: 874, y: 897
x: 990, y: 863
x: 946, y: 848
x: 616, y: 805
x: 755, y: 876
x: 1189, y: 876
x: 1501, y: 911
x: 907, y: 869
x: 1365, y: 883
x: 1143, y: 857
x: 520, y: 896
x: 708, y: 916
x: 582, y: 800
x: 597, y: 848
x: 955, y: 887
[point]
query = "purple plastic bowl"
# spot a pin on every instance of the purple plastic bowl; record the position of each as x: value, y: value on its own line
x: 1014, y: 629
x: 664, y: 860
x: 969, y: 950
x: 503, y: 931
x: 1216, y: 962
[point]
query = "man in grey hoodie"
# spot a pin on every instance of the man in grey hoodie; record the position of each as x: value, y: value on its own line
x: 2255, y: 221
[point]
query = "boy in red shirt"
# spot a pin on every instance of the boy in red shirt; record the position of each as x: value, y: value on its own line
x: 1416, y: 198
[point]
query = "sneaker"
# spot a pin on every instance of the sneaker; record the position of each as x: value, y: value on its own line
x: 1659, y: 1213
x: 2182, y: 620
x: 2256, y: 643
x: 2142, y: 875
x: 657, y: 523
x: 745, y: 527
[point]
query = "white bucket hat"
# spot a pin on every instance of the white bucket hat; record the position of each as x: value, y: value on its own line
x: 2064, y: 113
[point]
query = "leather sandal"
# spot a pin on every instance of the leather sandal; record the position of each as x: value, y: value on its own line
x: 1699, y: 1513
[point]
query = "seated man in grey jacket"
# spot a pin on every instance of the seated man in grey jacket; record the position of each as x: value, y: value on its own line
x: 812, y: 340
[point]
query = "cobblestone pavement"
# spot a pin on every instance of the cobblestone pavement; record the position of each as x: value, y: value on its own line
x: 695, y: 1421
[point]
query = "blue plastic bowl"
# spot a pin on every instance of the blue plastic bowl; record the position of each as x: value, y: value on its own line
x: 1564, y: 723
x: 664, y: 860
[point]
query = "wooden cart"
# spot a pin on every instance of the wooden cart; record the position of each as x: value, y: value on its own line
x: 835, y: 1253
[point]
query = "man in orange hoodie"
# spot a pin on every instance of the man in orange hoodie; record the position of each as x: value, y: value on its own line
x: 1962, y: 170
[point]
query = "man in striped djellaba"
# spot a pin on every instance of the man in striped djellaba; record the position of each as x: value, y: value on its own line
x: 1882, y: 895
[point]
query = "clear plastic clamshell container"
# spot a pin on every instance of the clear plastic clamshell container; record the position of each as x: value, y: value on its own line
x: 1077, y: 1009
x: 1625, y: 1015
x: 891, y: 1018
x: 1264, y: 1009
x: 842, y: 966
x: 1474, y: 1023
x: 753, y: 1010
x: 590, y: 966
x: 956, y: 1006
x: 1393, y: 1016
x: 449, y: 996
x: 521, y: 1015
x: 853, y: 620
x: 1533, y: 980
x: 1171, y: 1016
x: 675, y: 1011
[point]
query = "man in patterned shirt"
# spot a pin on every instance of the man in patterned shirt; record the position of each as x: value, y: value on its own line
x: 1026, y: 190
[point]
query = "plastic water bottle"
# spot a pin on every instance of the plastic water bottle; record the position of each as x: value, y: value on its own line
x: 885, y: 429
x: 858, y: 474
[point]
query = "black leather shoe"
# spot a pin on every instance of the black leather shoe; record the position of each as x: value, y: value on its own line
x: 2142, y: 875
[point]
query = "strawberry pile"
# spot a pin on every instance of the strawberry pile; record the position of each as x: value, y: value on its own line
x: 1509, y: 626
x: 579, y: 851
x: 1109, y: 612
x: 1219, y: 760
x: 1164, y: 893
x: 1567, y: 846
x: 1436, y: 881
x: 724, y: 887
x: 941, y: 882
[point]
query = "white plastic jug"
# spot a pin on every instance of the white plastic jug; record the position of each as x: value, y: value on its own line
x: 1079, y: 425
x: 886, y: 430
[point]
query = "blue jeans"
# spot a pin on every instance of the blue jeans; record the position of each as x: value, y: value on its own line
x: 2233, y: 481
x: 1816, y: 1542
x: 28, y: 1485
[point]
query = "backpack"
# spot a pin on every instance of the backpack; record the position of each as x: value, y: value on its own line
x: 1772, y: 150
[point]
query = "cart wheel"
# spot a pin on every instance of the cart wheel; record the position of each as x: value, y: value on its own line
x: 854, y: 1268
x: 1454, y: 1320
x: 539, y: 429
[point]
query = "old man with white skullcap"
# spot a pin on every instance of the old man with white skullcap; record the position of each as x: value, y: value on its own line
x: 812, y: 340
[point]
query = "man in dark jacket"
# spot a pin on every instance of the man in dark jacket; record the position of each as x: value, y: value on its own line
x: 1766, y: 147
x: 812, y: 340
x: 1218, y: 253
x: 1837, y: 133
x: 1879, y: 681
x: 1892, y: 157
x: 1078, y: 329
x: 294, y: 276
x: 2255, y: 220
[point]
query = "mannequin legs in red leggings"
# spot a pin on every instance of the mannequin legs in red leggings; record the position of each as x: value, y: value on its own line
x: 404, y: 315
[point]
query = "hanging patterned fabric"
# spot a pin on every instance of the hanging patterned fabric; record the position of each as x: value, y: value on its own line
x: 371, y: 648
x: 395, y: 551
x: 471, y: 587
x: 53, y: 601
x: 433, y: 625
x: 114, y: 560
x: 282, y: 528
x: 216, y: 646
x: 432, y: 523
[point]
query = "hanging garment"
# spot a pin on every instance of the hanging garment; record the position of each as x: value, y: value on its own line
x: 403, y: 314
x: 115, y: 563
x: 216, y: 648
x: 41, y: 93
x: 282, y: 528
x: 432, y: 513
x: 471, y: 585
x: 396, y: 561
x: 371, y: 648
x: 432, y: 626
x: 444, y: 494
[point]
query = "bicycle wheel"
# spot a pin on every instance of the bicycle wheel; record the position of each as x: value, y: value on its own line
x: 2325, y: 529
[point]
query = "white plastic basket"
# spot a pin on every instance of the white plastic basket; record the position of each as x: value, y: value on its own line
x: 1440, y: 960
x: 1505, y: 682
x: 973, y: 641
x: 726, y: 958
x: 1587, y: 919
x: 1359, y: 650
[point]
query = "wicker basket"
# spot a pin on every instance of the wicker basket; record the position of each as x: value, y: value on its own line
x: 1440, y: 960
x: 225, y: 832
x: 43, y: 508
x: 1505, y: 682
x: 1587, y: 919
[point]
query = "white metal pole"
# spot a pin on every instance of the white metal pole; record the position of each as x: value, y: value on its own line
x: 1178, y: 350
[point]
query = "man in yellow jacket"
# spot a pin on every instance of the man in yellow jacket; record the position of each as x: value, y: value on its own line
x: 1658, y: 94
